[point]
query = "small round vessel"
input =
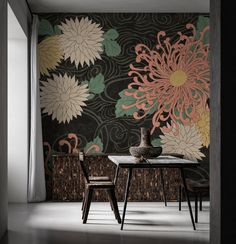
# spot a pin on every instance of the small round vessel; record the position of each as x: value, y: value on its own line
x: 145, y: 152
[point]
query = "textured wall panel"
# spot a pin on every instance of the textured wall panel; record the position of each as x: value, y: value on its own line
x: 68, y: 182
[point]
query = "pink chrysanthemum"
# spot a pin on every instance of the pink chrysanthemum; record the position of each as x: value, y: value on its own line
x: 173, y: 79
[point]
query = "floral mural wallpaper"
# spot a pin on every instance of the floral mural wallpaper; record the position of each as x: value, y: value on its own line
x: 103, y: 76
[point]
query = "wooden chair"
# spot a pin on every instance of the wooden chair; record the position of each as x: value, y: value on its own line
x: 93, y: 185
x: 91, y: 178
x: 198, y: 188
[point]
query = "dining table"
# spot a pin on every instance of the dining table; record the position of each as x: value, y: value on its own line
x: 163, y: 161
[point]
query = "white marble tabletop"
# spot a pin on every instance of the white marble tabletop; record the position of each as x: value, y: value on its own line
x: 128, y: 161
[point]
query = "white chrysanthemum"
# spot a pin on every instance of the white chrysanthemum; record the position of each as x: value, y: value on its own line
x: 63, y: 98
x: 186, y: 140
x: 81, y: 40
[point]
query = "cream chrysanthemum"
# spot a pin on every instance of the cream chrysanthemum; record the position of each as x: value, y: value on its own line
x: 49, y: 54
x: 81, y: 40
x: 63, y: 98
x: 184, y: 140
x: 203, y: 125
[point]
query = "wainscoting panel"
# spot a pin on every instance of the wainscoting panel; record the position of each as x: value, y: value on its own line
x: 68, y: 183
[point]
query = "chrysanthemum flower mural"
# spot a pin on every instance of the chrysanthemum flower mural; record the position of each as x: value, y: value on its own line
x: 63, y: 98
x: 187, y: 141
x: 172, y: 81
x: 203, y: 125
x: 49, y: 54
x: 81, y: 40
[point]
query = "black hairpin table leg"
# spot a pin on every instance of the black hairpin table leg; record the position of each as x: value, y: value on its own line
x: 116, y: 174
x: 126, y: 196
x: 187, y: 196
x: 163, y: 186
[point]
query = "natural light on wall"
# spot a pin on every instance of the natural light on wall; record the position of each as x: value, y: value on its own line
x: 17, y: 111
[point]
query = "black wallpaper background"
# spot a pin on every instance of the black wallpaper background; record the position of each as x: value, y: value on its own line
x: 98, y: 118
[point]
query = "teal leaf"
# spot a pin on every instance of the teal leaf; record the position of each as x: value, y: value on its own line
x: 96, y: 84
x: 125, y: 100
x: 156, y: 142
x: 112, y: 48
x: 189, y: 109
x: 45, y: 28
x: 153, y: 109
x: 129, y: 100
x: 176, y: 112
x: 97, y: 143
x: 201, y: 24
x: 111, y: 34
x: 57, y: 31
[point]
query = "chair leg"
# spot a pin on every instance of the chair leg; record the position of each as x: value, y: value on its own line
x: 200, y: 201
x: 180, y: 196
x: 84, y: 198
x: 85, y: 202
x: 196, y: 208
x: 115, y: 205
x: 110, y: 199
x: 89, y: 199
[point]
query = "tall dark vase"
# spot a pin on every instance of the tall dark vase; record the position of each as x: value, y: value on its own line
x: 145, y: 140
x: 145, y: 149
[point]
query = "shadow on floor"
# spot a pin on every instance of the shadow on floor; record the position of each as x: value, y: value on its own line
x: 70, y: 237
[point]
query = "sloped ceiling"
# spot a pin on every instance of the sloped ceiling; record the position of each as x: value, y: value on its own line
x: 14, y: 29
x: 197, y: 6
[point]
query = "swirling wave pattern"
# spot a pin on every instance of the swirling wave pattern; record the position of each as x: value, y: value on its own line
x: 98, y: 118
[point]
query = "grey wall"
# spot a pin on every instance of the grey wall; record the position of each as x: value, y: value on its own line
x: 223, y: 129
x: 3, y: 118
x: 215, y: 149
x: 22, y: 13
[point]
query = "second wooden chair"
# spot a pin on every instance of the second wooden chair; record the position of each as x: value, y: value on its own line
x: 198, y: 188
x: 97, y: 183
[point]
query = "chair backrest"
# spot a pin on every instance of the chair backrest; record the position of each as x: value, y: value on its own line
x: 83, y: 167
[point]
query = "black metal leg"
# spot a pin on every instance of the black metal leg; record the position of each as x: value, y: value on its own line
x: 180, y: 196
x: 126, y: 196
x: 187, y: 196
x: 116, y: 175
x: 196, y: 208
x: 163, y: 186
x: 200, y: 201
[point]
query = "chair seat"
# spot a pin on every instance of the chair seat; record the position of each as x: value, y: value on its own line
x: 99, y: 178
x: 100, y: 184
x: 197, y: 185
